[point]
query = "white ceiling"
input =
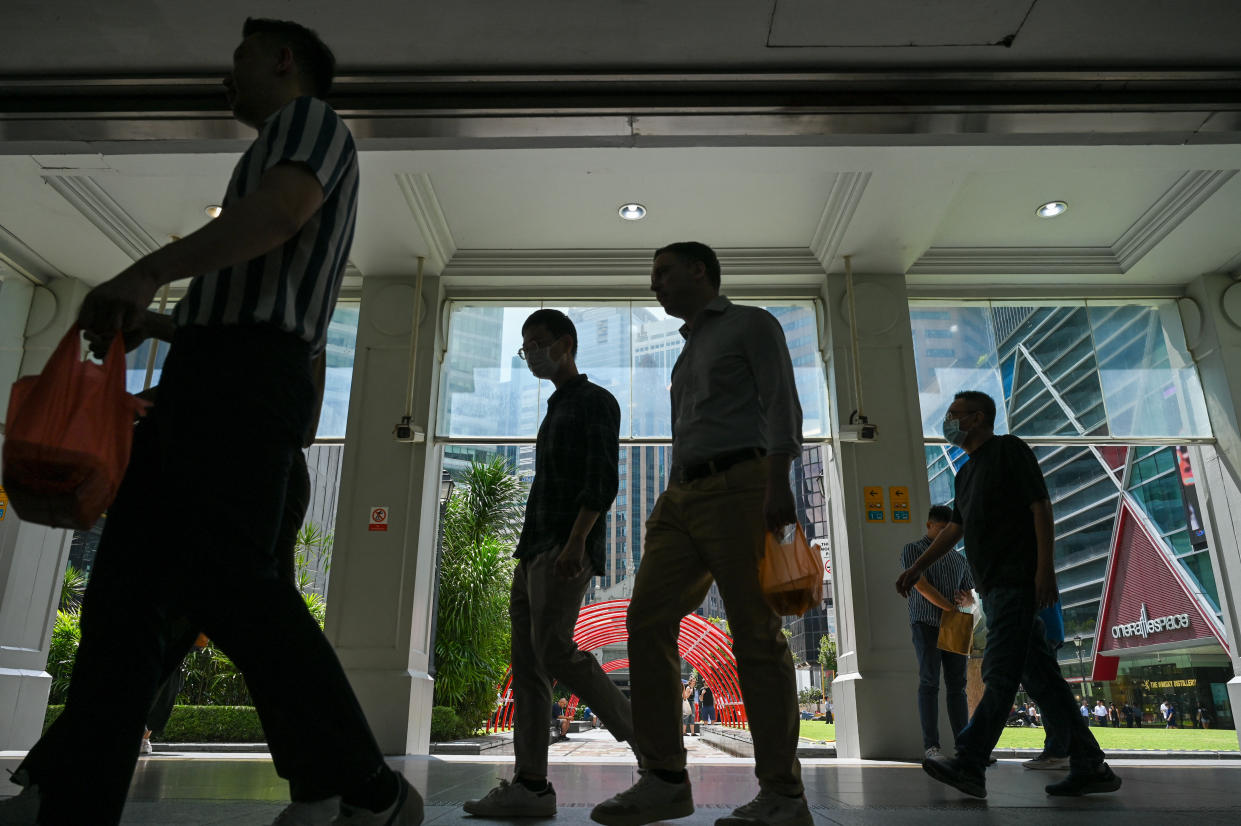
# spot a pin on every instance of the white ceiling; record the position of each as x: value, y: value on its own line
x: 1161, y: 214
x: 950, y: 216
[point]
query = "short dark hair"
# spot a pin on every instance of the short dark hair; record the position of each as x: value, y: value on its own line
x: 691, y: 251
x: 984, y: 402
x: 555, y: 322
x: 939, y: 513
x: 315, y: 61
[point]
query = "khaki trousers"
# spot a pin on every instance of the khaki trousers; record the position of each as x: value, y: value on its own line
x: 711, y: 528
x: 544, y: 609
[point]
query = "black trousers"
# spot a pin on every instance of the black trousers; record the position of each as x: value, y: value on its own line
x: 189, y: 546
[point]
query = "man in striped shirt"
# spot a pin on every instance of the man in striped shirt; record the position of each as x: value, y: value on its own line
x: 945, y: 585
x: 189, y: 544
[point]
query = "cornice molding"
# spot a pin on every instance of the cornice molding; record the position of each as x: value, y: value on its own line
x: 842, y: 202
x: 589, y: 263
x: 21, y: 259
x: 109, y: 217
x: 425, y: 208
x: 1190, y: 191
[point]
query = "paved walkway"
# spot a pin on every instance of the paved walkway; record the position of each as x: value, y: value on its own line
x: 213, y: 790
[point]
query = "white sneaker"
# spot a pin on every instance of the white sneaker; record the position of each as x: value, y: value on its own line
x: 933, y: 751
x: 22, y: 810
x: 1045, y: 762
x: 514, y: 800
x: 406, y: 811
x: 770, y: 809
x: 309, y: 813
x: 646, y: 801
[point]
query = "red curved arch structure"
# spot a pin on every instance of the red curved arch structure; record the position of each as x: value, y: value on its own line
x: 705, y: 647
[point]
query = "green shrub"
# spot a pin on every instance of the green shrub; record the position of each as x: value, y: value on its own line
x: 200, y: 724
x: 213, y: 724
x: 446, y: 725
x: 66, y: 634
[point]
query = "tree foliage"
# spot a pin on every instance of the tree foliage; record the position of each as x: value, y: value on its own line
x: 72, y: 589
x: 827, y: 653
x: 472, y: 644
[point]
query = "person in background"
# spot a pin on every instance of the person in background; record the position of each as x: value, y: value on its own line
x: 736, y: 428
x: 1003, y: 510
x: 1113, y: 713
x: 945, y: 585
x: 190, y: 540
x: 706, y: 704
x: 560, y: 549
x: 1100, y: 713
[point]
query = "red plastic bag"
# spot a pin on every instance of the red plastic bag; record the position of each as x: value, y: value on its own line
x: 791, y: 573
x: 68, y: 435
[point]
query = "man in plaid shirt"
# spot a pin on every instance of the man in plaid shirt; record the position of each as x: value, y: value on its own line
x: 560, y: 549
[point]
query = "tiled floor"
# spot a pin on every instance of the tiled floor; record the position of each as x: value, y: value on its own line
x: 237, y: 790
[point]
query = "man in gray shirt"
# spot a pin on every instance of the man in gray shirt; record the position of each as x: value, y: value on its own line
x: 736, y: 426
x: 945, y: 585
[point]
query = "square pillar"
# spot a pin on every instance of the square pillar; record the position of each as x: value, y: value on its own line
x: 32, y: 557
x: 875, y: 691
x: 381, y: 595
x: 1211, y: 314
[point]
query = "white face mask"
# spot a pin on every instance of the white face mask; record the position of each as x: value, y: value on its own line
x: 541, y: 363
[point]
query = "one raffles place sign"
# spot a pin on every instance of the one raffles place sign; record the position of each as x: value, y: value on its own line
x: 1145, y: 626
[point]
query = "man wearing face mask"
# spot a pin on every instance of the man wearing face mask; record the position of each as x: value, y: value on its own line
x: 560, y: 549
x: 1003, y: 510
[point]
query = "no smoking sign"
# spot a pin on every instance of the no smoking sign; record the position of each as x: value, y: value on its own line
x: 379, y: 519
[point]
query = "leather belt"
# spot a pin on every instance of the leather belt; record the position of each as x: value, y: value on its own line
x: 720, y: 463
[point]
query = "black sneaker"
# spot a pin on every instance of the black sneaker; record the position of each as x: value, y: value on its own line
x: 1097, y: 781
x: 953, y: 772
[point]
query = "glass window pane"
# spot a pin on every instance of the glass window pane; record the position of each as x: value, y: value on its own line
x: 966, y: 360
x: 1149, y: 381
x: 136, y: 365
x: 603, y: 352
x: 628, y: 348
x: 342, y: 339
x: 656, y: 342
x: 485, y: 388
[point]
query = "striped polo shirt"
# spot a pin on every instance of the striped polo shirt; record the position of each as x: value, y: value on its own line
x: 949, y: 574
x: 294, y: 286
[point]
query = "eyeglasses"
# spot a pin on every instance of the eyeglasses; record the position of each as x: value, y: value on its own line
x: 960, y: 414
x: 524, y: 352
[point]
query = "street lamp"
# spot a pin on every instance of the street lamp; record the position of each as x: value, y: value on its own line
x: 1077, y: 641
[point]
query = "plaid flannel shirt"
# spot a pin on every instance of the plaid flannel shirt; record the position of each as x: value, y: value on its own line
x: 575, y: 467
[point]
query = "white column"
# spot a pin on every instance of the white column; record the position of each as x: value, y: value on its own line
x: 1212, y: 316
x: 380, y: 593
x: 32, y: 557
x: 875, y: 691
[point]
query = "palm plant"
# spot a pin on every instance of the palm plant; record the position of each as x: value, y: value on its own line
x: 480, y: 526
x: 72, y: 589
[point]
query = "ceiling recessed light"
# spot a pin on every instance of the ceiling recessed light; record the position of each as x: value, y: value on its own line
x: 632, y: 212
x: 1051, y: 209
x: 213, y: 211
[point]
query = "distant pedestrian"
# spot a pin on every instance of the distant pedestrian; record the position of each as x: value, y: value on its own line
x: 1114, y: 713
x: 945, y: 585
x: 1100, y: 713
x: 1204, y: 722
x: 706, y: 704
x: 1003, y: 510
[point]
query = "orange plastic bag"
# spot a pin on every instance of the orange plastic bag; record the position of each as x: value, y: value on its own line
x: 791, y: 573
x: 68, y: 435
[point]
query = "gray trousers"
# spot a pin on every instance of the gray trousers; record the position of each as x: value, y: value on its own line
x: 544, y: 609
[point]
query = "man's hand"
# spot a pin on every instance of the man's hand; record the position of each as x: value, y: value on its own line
x: 964, y: 598
x: 908, y: 579
x: 119, y: 304
x: 778, y: 506
x: 570, y: 562
x: 1045, y: 590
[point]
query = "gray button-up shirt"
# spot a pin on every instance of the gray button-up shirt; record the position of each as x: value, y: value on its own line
x: 732, y: 386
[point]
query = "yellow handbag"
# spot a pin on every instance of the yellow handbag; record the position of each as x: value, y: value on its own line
x: 956, y: 631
